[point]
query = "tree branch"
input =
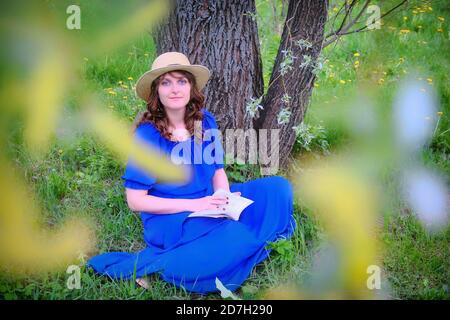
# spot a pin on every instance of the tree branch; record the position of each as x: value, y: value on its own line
x: 362, y: 28
x: 336, y: 36
x: 348, y: 9
x: 348, y: 26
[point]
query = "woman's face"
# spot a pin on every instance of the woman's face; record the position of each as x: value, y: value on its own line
x: 174, y: 91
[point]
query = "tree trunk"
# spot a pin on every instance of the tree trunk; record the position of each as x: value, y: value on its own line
x: 223, y: 36
x: 305, y: 20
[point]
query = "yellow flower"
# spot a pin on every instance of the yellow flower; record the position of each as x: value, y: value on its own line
x: 441, y: 19
x: 440, y: 30
x: 335, y: 9
x: 381, y: 81
x: 440, y: 113
x: 60, y: 151
x: 316, y: 84
x: 429, y: 80
x: 356, y: 54
x: 430, y: 8
x: 401, y: 59
x: 124, y: 86
x: 112, y: 92
x: 342, y: 81
x: 405, y: 31
x: 130, y: 78
x: 125, y: 98
x: 405, y: 18
x: 356, y: 64
x: 415, y: 12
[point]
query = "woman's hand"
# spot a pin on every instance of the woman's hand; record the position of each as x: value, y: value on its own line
x: 209, y: 202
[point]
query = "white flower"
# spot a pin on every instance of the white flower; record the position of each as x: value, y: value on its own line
x: 303, y: 44
x: 288, y: 60
x: 427, y: 195
x: 286, y: 98
x: 307, y: 61
x: 283, y: 116
x: 414, y: 118
x: 253, y: 106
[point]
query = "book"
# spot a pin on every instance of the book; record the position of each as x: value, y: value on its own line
x: 232, y: 210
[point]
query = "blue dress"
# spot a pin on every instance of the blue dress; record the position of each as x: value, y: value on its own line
x: 192, y: 252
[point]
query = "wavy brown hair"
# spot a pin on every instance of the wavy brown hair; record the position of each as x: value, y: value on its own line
x: 156, y: 114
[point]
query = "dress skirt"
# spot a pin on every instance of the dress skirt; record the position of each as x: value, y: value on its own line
x: 192, y: 252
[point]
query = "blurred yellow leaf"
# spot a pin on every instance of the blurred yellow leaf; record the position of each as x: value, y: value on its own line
x: 347, y: 207
x: 46, y: 88
x: 142, y: 19
x: 115, y: 135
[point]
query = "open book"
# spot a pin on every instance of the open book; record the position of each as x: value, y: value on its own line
x: 236, y: 204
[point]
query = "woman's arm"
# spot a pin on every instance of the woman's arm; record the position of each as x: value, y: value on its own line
x: 139, y: 200
x: 220, y: 180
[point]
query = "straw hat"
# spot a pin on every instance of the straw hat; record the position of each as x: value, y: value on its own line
x: 170, y: 61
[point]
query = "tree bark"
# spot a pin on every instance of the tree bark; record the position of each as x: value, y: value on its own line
x: 305, y: 20
x: 223, y: 36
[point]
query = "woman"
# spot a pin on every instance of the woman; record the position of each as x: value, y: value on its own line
x: 193, y: 252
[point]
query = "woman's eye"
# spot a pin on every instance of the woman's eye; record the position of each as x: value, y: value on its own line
x: 182, y: 81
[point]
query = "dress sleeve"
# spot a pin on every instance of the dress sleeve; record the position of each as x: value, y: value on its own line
x: 135, y: 177
x: 218, y: 151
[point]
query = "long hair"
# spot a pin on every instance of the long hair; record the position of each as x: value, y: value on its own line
x: 156, y: 114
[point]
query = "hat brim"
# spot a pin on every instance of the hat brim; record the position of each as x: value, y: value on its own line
x: 143, y: 85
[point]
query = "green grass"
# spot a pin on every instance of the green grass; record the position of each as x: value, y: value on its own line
x: 417, y: 263
x: 80, y: 176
